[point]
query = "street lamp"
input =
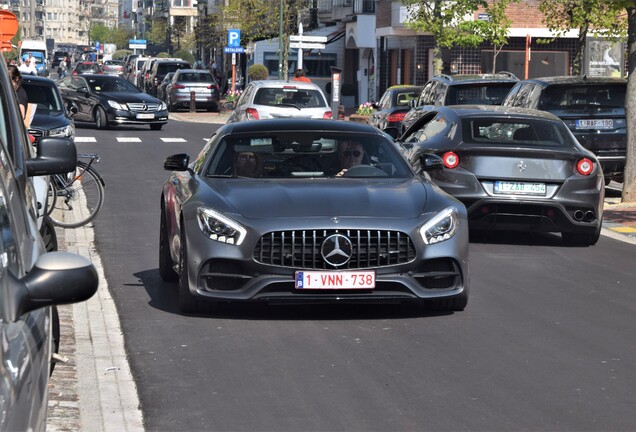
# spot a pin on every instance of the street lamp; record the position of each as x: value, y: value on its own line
x: 280, y: 43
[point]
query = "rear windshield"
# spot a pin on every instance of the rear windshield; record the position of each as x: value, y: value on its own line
x: 563, y: 98
x: 196, y: 77
x: 292, y: 96
x: 164, y: 68
x: 515, y: 132
x: 478, y: 94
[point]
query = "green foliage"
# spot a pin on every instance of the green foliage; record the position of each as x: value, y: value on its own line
x: 158, y: 32
x: 185, y: 55
x: 163, y: 54
x: 258, y: 72
x: 120, y: 54
x: 100, y: 33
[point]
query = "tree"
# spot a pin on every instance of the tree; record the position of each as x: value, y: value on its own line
x: 445, y: 21
x: 100, y: 33
x: 629, y: 182
x: 601, y: 18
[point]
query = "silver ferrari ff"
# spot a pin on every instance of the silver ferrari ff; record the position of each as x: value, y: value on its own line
x: 514, y: 169
x: 309, y: 211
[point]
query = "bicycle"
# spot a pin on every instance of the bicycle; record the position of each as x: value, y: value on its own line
x: 74, y: 199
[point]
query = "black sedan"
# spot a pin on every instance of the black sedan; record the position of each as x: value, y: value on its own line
x: 108, y: 100
x: 513, y: 168
x: 51, y: 118
x: 393, y: 106
x: 309, y: 211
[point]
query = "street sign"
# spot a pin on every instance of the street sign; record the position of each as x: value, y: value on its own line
x: 234, y: 38
x: 97, y: 46
x: 137, y: 43
x: 305, y: 38
x: 234, y: 50
x: 305, y: 45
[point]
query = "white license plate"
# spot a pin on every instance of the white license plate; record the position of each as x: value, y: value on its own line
x: 145, y: 116
x: 595, y: 124
x: 521, y: 188
x: 335, y: 280
x: 199, y: 90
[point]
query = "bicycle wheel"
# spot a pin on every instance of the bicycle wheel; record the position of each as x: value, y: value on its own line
x: 51, y: 196
x: 78, y: 202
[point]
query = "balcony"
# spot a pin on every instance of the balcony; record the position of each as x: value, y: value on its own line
x: 363, y: 6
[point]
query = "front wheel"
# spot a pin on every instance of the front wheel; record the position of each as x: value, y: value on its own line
x: 101, y: 121
x: 166, y: 263
x: 187, y: 302
x: 156, y: 126
x: 78, y: 201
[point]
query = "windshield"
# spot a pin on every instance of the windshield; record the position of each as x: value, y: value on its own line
x: 478, y: 94
x: 301, y: 98
x: 307, y: 154
x: 196, y: 77
x: 564, y: 98
x: 516, y: 132
x: 44, y: 96
x: 112, y: 85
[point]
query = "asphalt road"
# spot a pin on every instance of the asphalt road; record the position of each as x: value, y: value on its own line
x: 546, y: 343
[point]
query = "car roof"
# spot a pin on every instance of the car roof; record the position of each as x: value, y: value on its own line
x: 104, y: 76
x: 199, y: 71
x: 26, y: 78
x: 496, y: 111
x: 283, y: 83
x: 575, y: 79
x: 299, y: 125
x: 475, y: 78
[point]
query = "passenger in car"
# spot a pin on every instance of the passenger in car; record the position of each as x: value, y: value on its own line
x: 247, y: 164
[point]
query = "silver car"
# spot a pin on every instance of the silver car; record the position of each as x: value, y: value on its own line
x: 280, y: 99
x: 308, y: 211
x: 185, y: 82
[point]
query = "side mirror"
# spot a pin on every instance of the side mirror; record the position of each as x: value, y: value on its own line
x: 392, y: 131
x: 54, y: 156
x: 177, y: 162
x: 83, y: 90
x: 431, y: 162
x: 72, y: 108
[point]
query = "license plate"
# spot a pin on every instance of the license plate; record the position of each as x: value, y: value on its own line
x: 145, y: 116
x: 595, y: 124
x: 521, y: 188
x: 335, y: 280
x: 199, y: 90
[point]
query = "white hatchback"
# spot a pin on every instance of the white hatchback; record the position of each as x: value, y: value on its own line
x: 270, y: 99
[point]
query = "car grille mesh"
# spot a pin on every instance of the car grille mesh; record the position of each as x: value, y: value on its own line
x: 302, y: 249
x: 141, y: 107
x: 36, y: 133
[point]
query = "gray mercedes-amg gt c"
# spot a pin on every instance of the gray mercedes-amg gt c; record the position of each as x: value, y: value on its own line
x: 298, y: 211
x: 514, y: 169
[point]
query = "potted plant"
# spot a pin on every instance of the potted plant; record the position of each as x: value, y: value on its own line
x: 363, y: 113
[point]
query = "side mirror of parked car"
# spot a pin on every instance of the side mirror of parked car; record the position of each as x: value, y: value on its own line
x: 431, y: 162
x: 54, y: 156
x: 177, y: 162
x: 83, y: 90
x: 56, y: 278
x: 72, y: 108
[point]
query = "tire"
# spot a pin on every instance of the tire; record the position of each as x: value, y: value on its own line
x: 171, y: 108
x: 55, y: 335
x: 187, y: 302
x: 49, y: 236
x: 80, y: 200
x: 166, y: 263
x: 101, y: 121
x: 156, y: 127
x: 582, y: 239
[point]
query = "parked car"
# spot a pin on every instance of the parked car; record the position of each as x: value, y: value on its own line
x: 186, y: 81
x: 134, y: 70
x: 266, y: 213
x: 513, y: 168
x: 108, y: 100
x: 441, y: 90
x: 57, y: 57
x: 393, y: 106
x: 113, y: 67
x: 161, y: 90
x: 159, y: 69
x: 593, y: 108
x: 32, y: 282
x: 86, y: 67
x: 280, y: 99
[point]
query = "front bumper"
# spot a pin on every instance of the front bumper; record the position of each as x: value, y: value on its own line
x: 120, y: 117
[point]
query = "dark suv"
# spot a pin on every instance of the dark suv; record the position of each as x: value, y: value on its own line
x: 159, y: 70
x: 593, y: 108
x: 484, y: 89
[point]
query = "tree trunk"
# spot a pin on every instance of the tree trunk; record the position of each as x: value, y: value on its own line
x: 438, y: 63
x: 629, y: 183
x: 577, y: 64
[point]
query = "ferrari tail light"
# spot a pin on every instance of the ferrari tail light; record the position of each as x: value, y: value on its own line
x: 251, y: 114
x: 451, y: 160
x: 327, y: 115
x: 585, y: 166
x: 396, y: 117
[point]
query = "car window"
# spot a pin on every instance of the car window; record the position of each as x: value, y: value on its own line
x: 385, y: 101
x: 314, y: 154
x: 303, y: 98
x: 512, y: 95
x: 117, y: 85
x: 45, y: 96
x: 564, y: 98
x: 523, y: 97
x: 196, y: 77
x: 164, y: 68
x: 246, y: 96
x: 425, y: 96
x: 403, y: 98
x: 478, y: 94
x: 436, y: 126
x: 515, y: 132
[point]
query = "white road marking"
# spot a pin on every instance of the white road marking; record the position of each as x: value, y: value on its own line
x: 85, y: 139
x: 173, y: 140
x: 128, y: 139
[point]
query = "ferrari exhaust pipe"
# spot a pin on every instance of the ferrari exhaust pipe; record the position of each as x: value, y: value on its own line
x: 589, y: 216
x: 578, y: 215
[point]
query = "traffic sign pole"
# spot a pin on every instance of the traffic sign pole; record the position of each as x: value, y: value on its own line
x: 300, y: 50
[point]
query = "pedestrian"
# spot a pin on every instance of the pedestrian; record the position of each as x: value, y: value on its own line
x: 61, y: 70
x: 16, y: 80
x: 300, y: 76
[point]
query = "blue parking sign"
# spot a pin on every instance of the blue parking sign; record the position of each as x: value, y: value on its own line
x: 234, y: 38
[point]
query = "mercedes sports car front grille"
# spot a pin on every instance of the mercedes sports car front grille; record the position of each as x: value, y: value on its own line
x: 303, y: 249
x: 143, y: 107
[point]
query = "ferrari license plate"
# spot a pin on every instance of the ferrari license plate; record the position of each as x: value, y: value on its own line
x: 335, y: 280
x: 145, y: 116
x: 595, y: 124
x: 521, y: 188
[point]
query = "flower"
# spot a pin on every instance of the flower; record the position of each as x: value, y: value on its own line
x: 365, y: 109
x: 231, y: 96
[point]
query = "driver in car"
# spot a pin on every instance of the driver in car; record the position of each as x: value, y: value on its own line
x: 350, y: 154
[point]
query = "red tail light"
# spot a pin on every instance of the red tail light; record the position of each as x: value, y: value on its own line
x: 585, y: 166
x: 451, y: 160
x: 251, y: 114
x: 178, y: 86
x: 213, y: 86
x: 327, y: 115
x: 396, y: 117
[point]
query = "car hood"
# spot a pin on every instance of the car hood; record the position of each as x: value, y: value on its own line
x: 374, y: 198
x: 45, y: 119
x: 130, y: 97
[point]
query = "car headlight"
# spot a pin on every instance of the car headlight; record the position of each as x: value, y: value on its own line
x: 441, y: 227
x: 220, y: 228
x: 163, y: 106
x: 117, y: 105
x: 64, y: 131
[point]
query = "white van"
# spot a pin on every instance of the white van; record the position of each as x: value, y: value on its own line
x: 40, y: 53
